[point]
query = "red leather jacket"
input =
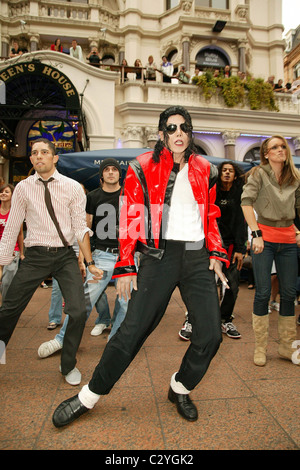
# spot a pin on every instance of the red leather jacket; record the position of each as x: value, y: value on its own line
x: 147, y: 191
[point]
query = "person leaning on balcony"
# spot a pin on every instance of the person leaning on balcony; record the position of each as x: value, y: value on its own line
x: 151, y: 69
x: 198, y: 72
x: 279, y: 87
x: 124, y: 64
x: 173, y: 189
x: 227, y: 71
x: 271, y: 81
x: 94, y: 57
x: 183, y: 75
x: 273, y: 191
x: 76, y: 51
x: 139, y: 74
x: 15, y: 50
x: 56, y: 46
x: 167, y: 70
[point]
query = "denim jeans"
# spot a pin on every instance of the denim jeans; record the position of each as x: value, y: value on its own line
x: 285, y: 257
x: 105, y: 261
x: 9, y: 272
x: 55, y: 311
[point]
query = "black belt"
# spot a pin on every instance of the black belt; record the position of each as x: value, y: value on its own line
x: 50, y: 248
x: 114, y: 251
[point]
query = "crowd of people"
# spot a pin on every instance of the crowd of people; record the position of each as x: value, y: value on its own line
x: 187, y: 220
x: 165, y: 68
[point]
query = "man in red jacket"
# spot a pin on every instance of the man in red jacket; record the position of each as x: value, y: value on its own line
x: 168, y: 214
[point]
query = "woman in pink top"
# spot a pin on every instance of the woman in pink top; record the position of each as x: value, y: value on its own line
x: 10, y: 270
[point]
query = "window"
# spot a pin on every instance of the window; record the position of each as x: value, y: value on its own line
x: 172, y: 4
x: 252, y: 155
x: 297, y: 71
x: 108, y: 59
x: 219, y: 4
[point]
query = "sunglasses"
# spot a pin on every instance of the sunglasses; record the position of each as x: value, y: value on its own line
x: 172, y: 128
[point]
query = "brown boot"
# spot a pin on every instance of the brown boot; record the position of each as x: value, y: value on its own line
x: 260, y: 325
x: 288, y: 339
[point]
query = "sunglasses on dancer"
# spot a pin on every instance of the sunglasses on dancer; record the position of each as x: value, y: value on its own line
x: 172, y: 128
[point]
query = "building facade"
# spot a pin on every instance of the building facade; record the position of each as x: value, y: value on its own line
x: 84, y: 107
x: 292, y: 56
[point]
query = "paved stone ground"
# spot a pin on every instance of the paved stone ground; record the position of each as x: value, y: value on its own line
x: 241, y: 406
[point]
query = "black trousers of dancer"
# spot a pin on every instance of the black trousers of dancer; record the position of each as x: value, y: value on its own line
x: 230, y: 295
x: 157, y: 279
x: 39, y: 264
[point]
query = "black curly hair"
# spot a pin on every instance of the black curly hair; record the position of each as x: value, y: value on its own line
x: 162, y: 126
x: 239, y: 172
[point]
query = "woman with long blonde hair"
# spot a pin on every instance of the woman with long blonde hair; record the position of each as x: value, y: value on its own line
x: 273, y: 192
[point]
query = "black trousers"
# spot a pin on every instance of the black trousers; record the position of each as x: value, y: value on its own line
x: 230, y: 295
x: 37, y: 266
x: 157, y: 279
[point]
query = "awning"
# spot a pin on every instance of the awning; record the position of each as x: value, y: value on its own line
x: 84, y: 166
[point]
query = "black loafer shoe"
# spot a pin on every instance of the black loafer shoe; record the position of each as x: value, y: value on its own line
x: 184, y: 404
x: 68, y: 411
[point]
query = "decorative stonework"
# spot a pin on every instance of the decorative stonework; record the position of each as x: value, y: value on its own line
x: 151, y: 133
x: 186, y: 6
x: 19, y: 9
x: 296, y: 142
x: 229, y: 137
x: 133, y: 133
x: 241, y: 13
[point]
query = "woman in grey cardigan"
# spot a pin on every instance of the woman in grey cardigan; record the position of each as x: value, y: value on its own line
x: 273, y: 191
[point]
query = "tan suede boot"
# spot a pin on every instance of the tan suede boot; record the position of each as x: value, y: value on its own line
x: 261, y: 332
x: 287, y: 339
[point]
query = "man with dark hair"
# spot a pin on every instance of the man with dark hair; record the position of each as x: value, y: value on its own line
x: 233, y: 231
x: 168, y: 214
x: 102, y: 217
x: 54, y: 208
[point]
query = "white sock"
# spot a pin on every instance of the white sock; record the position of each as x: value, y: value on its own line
x: 88, y: 398
x: 178, y: 387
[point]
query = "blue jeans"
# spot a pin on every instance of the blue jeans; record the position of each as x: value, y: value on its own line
x: 9, y: 272
x: 105, y: 261
x: 285, y: 257
x: 55, y: 311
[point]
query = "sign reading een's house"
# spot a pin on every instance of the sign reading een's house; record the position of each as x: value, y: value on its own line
x: 49, y: 72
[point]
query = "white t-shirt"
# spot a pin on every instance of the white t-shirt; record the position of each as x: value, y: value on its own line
x: 184, y: 222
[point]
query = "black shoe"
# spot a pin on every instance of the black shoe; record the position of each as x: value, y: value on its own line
x: 186, y: 331
x: 230, y: 330
x: 185, y: 406
x: 68, y: 411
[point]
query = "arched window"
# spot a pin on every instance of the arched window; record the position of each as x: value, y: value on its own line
x: 108, y: 59
x: 252, y: 155
x: 212, y: 57
x: 200, y: 150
